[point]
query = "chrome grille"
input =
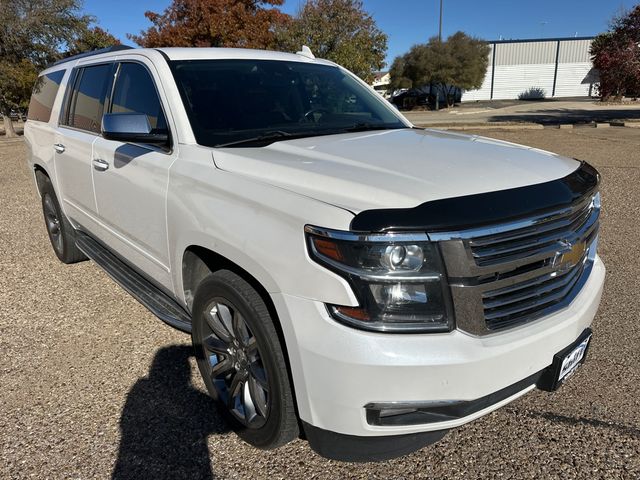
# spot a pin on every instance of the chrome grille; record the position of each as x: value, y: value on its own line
x: 531, y: 240
x: 510, y: 274
x: 506, y: 308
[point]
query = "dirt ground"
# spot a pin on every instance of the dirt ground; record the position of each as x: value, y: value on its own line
x: 93, y: 386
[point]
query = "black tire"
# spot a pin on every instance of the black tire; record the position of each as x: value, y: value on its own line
x: 262, y: 411
x: 61, y: 234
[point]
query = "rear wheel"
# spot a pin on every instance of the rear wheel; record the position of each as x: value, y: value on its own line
x: 241, y: 360
x: 61, y: 234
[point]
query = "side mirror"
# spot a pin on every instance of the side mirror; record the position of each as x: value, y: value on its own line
x: 131, y: 127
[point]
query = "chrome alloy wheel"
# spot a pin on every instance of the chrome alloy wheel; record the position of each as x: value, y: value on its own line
x: 235, y: 365
x: 53, y: 223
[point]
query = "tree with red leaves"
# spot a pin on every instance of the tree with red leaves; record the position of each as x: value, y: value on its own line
x: 616, y: 55
x: 213, y: 23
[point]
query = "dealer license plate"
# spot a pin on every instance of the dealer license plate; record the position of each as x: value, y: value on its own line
x: 572, y: 360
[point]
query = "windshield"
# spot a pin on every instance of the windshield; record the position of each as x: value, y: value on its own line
x: 256, y: 102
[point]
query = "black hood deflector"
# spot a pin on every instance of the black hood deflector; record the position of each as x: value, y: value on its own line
x: 484, y: 208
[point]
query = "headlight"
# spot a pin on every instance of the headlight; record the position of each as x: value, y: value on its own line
x: 398, y: 279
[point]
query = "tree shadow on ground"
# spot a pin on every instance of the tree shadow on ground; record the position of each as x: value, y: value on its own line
x: 165, y: 423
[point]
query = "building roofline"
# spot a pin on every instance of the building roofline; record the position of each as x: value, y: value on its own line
x: 531, y: 40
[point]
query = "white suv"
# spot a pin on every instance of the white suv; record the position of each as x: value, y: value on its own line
x: 345, y: 276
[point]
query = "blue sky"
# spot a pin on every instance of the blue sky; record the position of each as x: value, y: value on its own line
x: 408, y: 22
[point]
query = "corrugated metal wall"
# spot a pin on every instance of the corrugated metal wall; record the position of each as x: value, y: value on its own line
x: 484, y: 92
x: 574, y: 67
x: 575, y: 51
x: 558, y: 68
x: 513, y: 81
x: 522, y: 53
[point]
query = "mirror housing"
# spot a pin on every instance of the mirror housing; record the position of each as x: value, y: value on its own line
x: 131, y: 128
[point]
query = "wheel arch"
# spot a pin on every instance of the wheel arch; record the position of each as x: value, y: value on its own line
x: 198, y: 262
x: 41, y: 175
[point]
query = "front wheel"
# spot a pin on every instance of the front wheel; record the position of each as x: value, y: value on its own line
x: 241, y: 360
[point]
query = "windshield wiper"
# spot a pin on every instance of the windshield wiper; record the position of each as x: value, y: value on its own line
x: 278, y: 135
x: 365, y: 126
x: 271, y: 136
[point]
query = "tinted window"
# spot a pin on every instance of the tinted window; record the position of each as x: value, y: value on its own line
x: 135, y: 92
x: 43, y: 95
x: 233, y: 100
x: 87, y: 100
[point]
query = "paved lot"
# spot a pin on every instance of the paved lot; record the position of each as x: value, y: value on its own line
x: 552, y: 111
x: 92, y: 385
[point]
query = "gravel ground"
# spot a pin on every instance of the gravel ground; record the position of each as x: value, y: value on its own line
x: 94, y: 386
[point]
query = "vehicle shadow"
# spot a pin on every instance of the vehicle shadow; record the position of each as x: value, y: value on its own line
x: 126, y: 153
x: 165, y: 423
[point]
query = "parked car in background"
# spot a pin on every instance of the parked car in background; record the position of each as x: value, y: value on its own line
x: 17, y: 115
x: 345, y: 276
x: 425, y: 97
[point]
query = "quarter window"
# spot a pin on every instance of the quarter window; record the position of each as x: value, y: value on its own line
x: 43, y: 95
x: 87, y: 99
x: 135, y: 92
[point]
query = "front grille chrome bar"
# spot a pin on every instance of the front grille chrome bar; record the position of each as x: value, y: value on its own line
x: 510, y: 274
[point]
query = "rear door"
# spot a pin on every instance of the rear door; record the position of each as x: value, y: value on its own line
x: 78, y: 129
x: 130, y: 180
x: 39, y: 130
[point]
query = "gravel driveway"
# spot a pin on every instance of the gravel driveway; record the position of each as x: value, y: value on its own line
x: 93, y: 386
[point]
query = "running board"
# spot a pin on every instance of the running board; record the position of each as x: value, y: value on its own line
x: 158, y: 302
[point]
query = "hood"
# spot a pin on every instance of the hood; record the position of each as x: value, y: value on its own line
x: 394, y: 168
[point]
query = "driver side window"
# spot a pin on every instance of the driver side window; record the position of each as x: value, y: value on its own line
x: 135, y: 92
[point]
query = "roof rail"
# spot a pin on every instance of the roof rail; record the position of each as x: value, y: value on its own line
x: 113, y: 48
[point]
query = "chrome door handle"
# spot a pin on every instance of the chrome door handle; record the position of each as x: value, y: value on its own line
x: 100, y: 164
x: 58, y: 147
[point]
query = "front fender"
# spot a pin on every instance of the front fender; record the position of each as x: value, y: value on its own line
x: 257, y: 226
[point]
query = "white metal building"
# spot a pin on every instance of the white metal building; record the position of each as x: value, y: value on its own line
x: 559, y: 67
x: 381, y: 83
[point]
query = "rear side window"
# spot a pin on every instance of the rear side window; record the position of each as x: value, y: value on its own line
x: 86, y: 103
x: 135, y: 92
x: 43, y: 95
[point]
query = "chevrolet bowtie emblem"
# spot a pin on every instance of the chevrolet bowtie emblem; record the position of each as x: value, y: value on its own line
x: 569, y: 255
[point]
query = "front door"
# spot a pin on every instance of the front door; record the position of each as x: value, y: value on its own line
x: 130, y: 180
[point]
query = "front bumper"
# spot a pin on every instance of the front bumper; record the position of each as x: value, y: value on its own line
x: 338, y: 370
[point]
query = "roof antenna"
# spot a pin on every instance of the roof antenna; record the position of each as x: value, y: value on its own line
x: 306, y: 52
